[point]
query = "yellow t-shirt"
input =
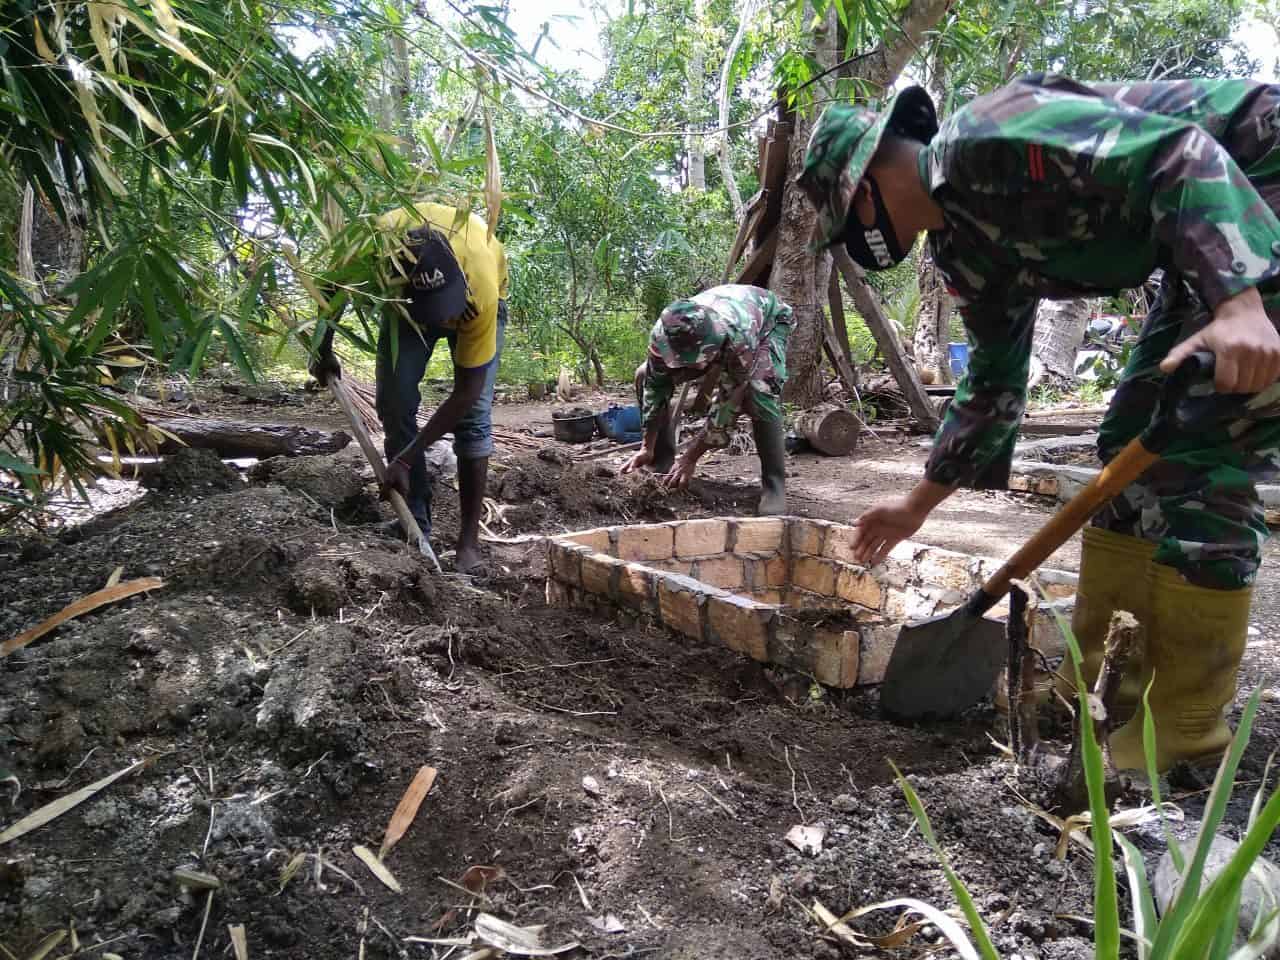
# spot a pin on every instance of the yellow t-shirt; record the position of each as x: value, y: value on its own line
x: 483, y: 262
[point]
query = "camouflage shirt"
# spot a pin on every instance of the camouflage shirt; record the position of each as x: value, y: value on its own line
x: 1051, y: 188
x: 745, y: 329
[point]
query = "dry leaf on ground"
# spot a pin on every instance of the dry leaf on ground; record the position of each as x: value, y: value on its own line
x: 521, y: 941
x: 99, y: 598
x: 377, y: 868
x: 51, y: 811
x: 407, y: 809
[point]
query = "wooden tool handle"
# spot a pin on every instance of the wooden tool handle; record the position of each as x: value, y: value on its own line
x: 407, y: 522
x: 1128, y: 465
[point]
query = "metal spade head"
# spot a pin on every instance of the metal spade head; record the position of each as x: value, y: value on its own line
x: 942, y: 665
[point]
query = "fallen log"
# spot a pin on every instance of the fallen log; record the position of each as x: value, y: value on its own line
x: 831, y: 430
x: 237, y: 438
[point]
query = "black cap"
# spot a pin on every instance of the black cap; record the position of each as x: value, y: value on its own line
x: 437, y: 284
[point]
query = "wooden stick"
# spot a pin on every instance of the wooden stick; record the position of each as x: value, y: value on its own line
x: 1016, y: 632
x: 1121, y: 644
x: 407, y: 522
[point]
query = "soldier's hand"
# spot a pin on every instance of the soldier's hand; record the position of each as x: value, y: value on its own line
x: 883, y: 527
x: 642, y: 458
x: 1243, y: 341
x: 681, y: 473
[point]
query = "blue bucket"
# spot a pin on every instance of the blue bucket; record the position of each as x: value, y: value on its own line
x: 958, y: 353
x: 620, y: 423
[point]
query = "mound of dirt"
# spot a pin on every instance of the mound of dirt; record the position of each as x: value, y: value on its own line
x: 192, y: 471
x: 340, y: 482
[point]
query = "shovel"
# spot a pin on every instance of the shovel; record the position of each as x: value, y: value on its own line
x: 947, y: 663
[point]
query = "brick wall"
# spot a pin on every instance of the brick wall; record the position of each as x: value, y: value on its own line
x: 754, y: 584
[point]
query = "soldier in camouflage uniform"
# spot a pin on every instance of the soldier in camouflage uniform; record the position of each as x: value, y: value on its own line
x: 742, y: 332
x: 1053, y: 188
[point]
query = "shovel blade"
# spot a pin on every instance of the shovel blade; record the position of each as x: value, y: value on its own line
x: 942, y: 665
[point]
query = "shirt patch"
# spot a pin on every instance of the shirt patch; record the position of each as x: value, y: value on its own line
x: 1035, y: 161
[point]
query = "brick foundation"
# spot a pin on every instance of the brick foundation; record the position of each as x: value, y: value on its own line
x: 784, y: 590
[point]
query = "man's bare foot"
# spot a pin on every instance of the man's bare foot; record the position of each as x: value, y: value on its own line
x: 468, y: 559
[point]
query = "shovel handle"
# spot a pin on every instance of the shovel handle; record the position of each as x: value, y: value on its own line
x: 1177, y: 412
x: 1127, y: 466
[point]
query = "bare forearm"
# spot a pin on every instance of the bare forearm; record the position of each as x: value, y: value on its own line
x: 926, y: 495
x: 696, y: 450
x: 444, y: 419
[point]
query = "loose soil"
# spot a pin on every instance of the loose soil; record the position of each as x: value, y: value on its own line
x: 298, y: 668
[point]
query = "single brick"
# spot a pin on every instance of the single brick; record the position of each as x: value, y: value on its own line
x: 597, y: 539
x: 763, y: 573
x: 815, y: 575
x: 598, y: 573
x: 839, y: 544
x: 647, y: 542
x: 772, y: 597
x: 874, y: 650
x: 636, y: 587
x: 741, y: 624
x: 807, y: 536
x: 835, y: 659
x: 725, y: 572
x: 701, y: 538
x: 680, y: 603
x: 858, y: 585
x: 566, y: 562
x: 948, y: 569
x: 758, y: 535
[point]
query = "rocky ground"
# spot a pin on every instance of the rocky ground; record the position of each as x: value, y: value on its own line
x: 631, y: 791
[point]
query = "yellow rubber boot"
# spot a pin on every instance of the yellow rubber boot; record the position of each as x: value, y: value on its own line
x: 1113, y: 576
x: 1194, y: 642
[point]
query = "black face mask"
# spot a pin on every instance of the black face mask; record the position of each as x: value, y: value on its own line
x: 874, y: 247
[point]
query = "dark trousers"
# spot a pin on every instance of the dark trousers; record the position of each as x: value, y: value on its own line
x: 398, y: 399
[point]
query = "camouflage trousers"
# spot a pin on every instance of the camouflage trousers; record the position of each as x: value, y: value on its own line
x: 1200, y: 502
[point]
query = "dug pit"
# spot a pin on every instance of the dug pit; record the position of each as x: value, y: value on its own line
x: 781, y: 590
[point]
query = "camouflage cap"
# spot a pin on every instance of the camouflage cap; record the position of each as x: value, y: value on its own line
x: 840, y: 149
x: 687, y: 334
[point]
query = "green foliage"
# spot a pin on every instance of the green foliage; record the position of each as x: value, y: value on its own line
x: 224, y: 184
x: 1202, y: 920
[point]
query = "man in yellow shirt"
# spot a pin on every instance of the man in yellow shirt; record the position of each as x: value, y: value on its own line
x: 454, y: 282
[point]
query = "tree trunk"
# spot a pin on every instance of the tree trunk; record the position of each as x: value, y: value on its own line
x: 1060, y: 327
x: 402, y: 86
x: 235, y: 438
x: 56, y: 248
x: 933, y: 325
x: 694, y: 83
x: 799, y: 278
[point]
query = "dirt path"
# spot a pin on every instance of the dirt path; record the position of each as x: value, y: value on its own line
x: 298, y: 669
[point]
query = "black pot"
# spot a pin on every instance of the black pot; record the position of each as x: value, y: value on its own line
x: 574, y: 429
